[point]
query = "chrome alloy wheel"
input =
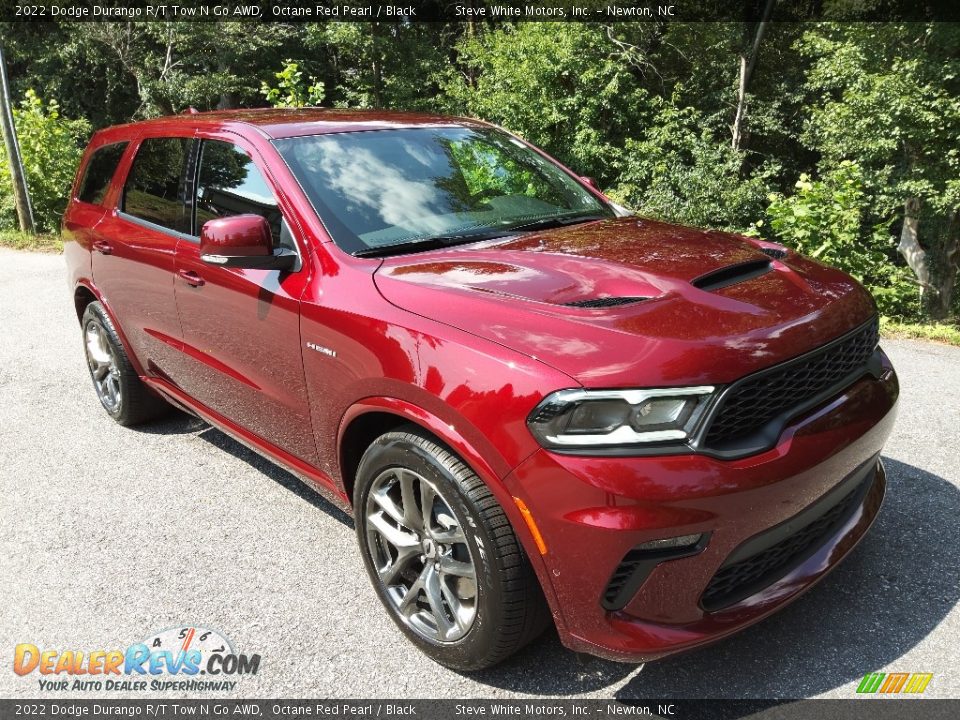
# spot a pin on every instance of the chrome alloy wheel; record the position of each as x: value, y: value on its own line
x: 421, y: 555
x: 103, y: 366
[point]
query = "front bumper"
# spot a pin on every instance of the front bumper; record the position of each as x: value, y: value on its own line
x: 592, y: 511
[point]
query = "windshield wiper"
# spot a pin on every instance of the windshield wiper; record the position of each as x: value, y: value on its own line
x: 557, y: 221
x: 433, y: 242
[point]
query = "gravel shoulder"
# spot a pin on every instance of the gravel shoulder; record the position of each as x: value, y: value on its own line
x: 110, y: 534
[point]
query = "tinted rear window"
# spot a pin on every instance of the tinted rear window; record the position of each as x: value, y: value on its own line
x: 99, y: 172
x: 158, y: 189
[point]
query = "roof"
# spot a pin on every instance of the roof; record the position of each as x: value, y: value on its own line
x: 286, y: 122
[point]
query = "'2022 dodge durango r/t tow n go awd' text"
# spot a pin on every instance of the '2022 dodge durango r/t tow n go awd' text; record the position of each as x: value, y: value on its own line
x: 536, y: 406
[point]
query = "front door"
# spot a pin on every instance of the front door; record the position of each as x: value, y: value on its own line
x: 241, y: 328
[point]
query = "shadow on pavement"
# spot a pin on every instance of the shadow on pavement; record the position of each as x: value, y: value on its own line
x: 892, y: 591
x: 886, y: 597
x: 179, y: 423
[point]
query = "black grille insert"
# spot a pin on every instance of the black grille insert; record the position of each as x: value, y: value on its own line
x: 636, y: 567
x: 751, y: 403
x: 740, y: 577
x: 606, y: 301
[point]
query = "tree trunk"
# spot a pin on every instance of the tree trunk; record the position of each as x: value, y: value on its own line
x: 910, y: 247
x: 936, y: 267
x: 943, y: 272
x: 21, y: 194
x: 747, y: 64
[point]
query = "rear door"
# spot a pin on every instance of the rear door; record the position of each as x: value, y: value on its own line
x: 241, y: 328
x: 135, y: 248
x: 89, y: 205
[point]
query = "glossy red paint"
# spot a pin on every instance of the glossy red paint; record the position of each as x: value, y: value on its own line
x: 236, y: 235
x: 465, y: 342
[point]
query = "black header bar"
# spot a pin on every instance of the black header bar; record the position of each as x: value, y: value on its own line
x: 477, y: 11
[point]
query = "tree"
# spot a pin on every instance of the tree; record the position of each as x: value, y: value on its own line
x: 887, y: 96
x: 568, y: 87
x: 51, y: 146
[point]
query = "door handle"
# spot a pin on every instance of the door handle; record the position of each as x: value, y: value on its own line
x: 103, y: 247
x: 191, y: 278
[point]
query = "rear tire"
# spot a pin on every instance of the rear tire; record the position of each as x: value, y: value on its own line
x: 119, y: 389
x: 453, y: 577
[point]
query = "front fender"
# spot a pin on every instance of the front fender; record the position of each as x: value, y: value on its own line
x: 445, y: 430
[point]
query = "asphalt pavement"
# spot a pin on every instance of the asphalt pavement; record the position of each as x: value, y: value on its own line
x: 109, y: 535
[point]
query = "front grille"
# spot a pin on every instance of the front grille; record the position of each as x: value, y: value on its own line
x: 754, y: 401
x: 743, y: 578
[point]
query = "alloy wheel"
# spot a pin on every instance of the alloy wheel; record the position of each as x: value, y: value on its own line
x: 421, y: 555
x: 103, y: 366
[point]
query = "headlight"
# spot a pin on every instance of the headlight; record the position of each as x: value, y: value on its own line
x: 569, y: 419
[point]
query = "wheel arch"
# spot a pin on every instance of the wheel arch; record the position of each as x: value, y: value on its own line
x: 83, y: 295
x: 371, y: 417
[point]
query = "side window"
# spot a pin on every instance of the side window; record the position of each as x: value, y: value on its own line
x: 99, y: 172
x: 229, y: 183
x: 158, y: 189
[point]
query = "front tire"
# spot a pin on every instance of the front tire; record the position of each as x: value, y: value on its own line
x: 442, y: 556
x: 119, y: 389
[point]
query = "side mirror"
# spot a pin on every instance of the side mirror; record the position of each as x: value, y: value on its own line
x: 243, y: 241
x: 592, y: 182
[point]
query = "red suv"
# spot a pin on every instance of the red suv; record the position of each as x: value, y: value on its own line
x: 539, y: 408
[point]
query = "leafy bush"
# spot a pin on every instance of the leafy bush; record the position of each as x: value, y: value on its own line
x: 51, y: 146
x: 292, y: 90
x: 680, y: 172
x: 824, y: 219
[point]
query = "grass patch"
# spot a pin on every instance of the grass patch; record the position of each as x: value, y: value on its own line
x: 43, y: 242
x: 949, y: 334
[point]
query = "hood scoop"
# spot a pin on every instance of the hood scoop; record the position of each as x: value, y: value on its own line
x: 731, y: 275
x: 605, y: 302
x: 773, y: 252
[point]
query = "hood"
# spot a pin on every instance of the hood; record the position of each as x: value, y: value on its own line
x: 631, y: 301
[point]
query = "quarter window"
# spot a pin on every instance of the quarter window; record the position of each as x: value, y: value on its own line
x: 99, y: 172
x: 229, y: 183
x: 158, y: 189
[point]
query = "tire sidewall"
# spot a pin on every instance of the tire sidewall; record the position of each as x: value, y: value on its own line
x: 480, y: 641
x: 96, y: 314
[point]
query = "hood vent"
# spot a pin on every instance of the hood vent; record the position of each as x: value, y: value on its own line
x: 605, y: 302
x: 731, y: 275
x: 775, y: 253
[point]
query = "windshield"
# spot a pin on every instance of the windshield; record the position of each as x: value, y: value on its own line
x: 383, y: 188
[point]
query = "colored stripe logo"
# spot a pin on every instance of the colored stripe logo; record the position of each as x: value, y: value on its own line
x: 893, y: 683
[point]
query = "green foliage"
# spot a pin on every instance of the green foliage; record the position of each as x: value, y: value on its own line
x: 678, y: 170
x: 292, y: 90
x: 51, y: 146
x: 826, y: 219
x: 949, y: 334
x: 37, y: 243
x: 646, y: 108
x: 887, y: 96
x: 563, y: 86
